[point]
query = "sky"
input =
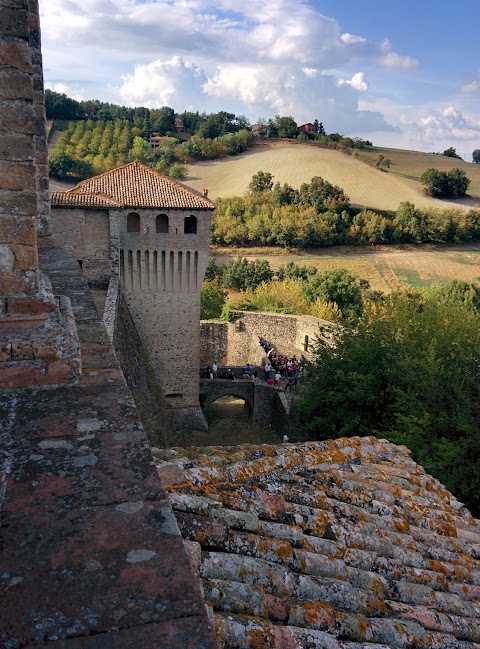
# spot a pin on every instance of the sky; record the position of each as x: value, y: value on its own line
x: 401, y: 74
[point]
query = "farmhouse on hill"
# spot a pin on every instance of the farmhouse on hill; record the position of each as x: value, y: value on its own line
x: 308, y: 127
x: 342, y: 544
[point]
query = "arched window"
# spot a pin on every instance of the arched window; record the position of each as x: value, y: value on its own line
x: 133, y: 222
x: 161, y: 224
x: 190, y: 225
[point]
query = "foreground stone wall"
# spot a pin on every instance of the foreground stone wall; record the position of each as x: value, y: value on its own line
x: 236, y: 343
x: 38, y: 339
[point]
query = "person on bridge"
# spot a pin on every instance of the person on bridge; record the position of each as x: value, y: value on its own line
x: 229, y: 374
x: 267, y: 368
x: 215, y: 370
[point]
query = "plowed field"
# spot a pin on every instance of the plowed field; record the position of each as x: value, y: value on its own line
x: 297, y: 163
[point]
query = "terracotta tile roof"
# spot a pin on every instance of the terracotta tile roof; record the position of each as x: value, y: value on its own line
x: 67, y: 199
x: 338, y: 544
x: 133, y: 185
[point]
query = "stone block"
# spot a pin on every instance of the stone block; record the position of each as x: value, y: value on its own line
x: 14, y: 20
x: 16, y: 55
x: 18, y: 230
x: 15, y: 84
x: 26, y: 257
x: 16, y: 116
x: 13, y: 283
x: 5, y: 351
x: 15, y: 176
x: 16, y: 147
x: 17, y: 203
x: 31, y: 305
x: 22, y: 350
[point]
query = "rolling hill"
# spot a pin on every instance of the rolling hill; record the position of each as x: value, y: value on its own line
x: 295, y: 163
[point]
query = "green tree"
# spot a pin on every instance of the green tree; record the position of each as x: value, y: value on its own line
x: 60, y: 164
x: 285, y: 127
x: 323, y: 196
x: 163, y: 120
x: 451, y: 153
x: 476, y: 156
x: 295, y: 271
x: 241, y: 274
x: 445, y: 184
x: 261, y: 182
x: 340, y: 287
x: 408, y: 371
x: 212, y: 301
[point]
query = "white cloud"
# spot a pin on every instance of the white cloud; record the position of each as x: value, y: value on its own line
x: 393, y: 60
x: 260, y: 57
x: 351, y: 38
x: 474, y: 85
x: 358, y: 82
x: 62, y: 88
x: 163, y: 83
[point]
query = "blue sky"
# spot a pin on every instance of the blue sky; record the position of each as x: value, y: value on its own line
x: 402, y: 74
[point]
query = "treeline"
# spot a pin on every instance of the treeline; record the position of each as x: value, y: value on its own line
x: 165, y: 121
x: 334, y: 295
x: 319, y: 215
x: 91, y: 147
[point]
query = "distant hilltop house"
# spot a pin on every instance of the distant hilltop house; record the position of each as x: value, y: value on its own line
x: 179, y: 127
x: 156, y: 140
x: 308, y: 127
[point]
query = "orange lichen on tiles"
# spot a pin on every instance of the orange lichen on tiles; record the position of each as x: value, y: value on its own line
x: 344, y: 538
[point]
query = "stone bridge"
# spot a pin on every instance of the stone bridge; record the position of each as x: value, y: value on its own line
x: 265, y: 404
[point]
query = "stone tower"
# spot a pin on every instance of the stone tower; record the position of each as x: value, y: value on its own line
x: 159, y: 237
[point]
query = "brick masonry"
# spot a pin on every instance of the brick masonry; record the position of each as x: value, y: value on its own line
x: 38, y: 338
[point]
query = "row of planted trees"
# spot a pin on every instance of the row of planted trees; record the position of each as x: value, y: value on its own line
x: 319, y: 214
x: 90, y: 147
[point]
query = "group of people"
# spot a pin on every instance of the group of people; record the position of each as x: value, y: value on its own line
x: 278, y: 369
x: 281, y: 367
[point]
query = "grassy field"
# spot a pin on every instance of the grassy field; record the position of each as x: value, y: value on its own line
x: 387, y: 269
x: 411, y: 164
x: 366, y: 186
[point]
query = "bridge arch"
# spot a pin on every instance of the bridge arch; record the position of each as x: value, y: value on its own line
x: 212, y: 390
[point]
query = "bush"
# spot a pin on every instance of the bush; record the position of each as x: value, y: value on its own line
x: 241, y: 274
x: 445, y: 184
x: 213, y: 298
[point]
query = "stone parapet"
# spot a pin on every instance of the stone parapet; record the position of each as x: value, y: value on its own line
x: 40, y: 349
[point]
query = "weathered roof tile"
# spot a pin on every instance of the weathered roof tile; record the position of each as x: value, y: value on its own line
x: 345, y: 543
x: 132, y: 185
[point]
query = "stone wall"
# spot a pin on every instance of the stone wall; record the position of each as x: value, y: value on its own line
x: 88, y: 232
x: 38, y: 339
x: 236, y: 343
x: 213, y: 342
x: 140, y: 377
